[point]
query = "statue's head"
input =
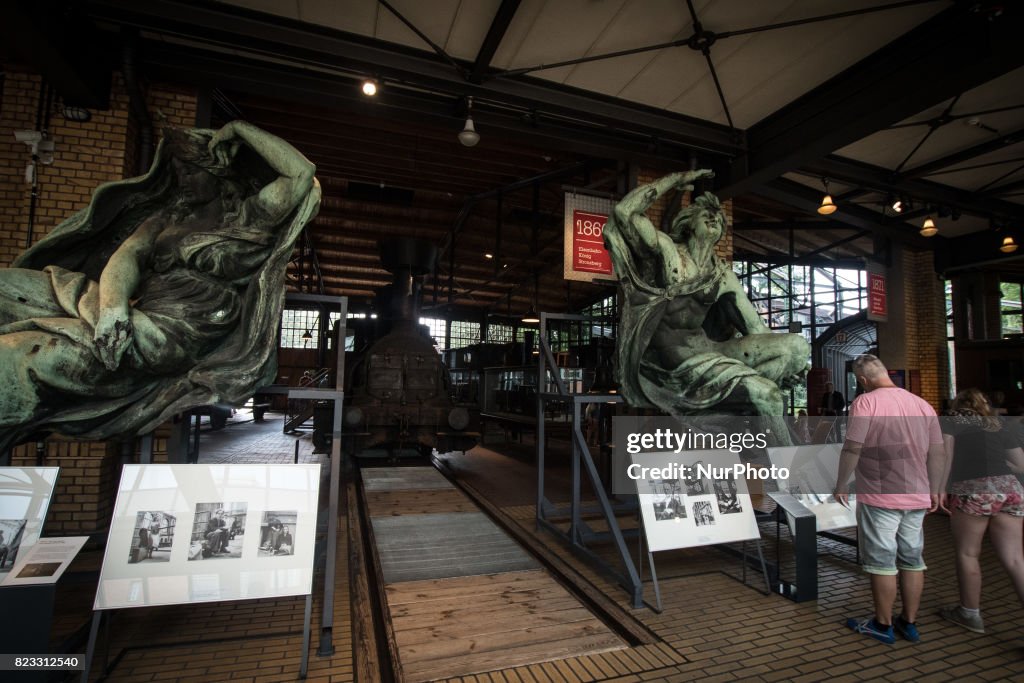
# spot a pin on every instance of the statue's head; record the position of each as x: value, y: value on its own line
x: 201, y: 175
x: 701, y: 217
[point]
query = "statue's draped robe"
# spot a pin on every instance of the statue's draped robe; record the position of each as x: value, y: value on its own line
x: 205, y: 315
x: 701, y: 382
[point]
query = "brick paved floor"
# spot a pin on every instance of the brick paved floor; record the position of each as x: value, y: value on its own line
x: 712, y: 628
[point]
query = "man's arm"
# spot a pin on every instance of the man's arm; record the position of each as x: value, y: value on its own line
x: 847, y: 464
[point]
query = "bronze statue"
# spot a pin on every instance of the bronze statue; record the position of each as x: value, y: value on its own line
x: 689, y: 340
x: 164, y: 294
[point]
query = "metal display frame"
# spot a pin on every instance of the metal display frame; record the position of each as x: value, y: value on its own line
x: 579, y: 531
x: 326, y: 644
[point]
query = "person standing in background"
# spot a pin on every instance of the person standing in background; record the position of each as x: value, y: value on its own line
x: 832, y: 402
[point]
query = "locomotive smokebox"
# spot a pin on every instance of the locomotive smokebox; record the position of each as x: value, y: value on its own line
x: 400, y: 394
x: 408, y: 260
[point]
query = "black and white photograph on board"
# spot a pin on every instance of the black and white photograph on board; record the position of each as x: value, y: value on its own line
x: 152, y: 537
x: 11, y: 532
x: 217, y: 531
x: 703, y: 514
x: 728, y: 499
x: 697, y: 485
x: 37, y: 569
x: 669, y: 503
x: 277, y: 531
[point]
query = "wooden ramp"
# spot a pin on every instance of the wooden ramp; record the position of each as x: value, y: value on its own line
x: 462, y: 597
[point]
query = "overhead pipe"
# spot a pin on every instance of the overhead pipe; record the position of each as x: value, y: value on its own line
x: 137, y: 103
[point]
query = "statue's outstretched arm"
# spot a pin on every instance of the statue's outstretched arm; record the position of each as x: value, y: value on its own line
x: 118, y: 282
x: 630, y: 212
x: 295, y: 171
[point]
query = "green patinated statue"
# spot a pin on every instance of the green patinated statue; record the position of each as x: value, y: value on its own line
x: 690, y: 342
x: 163, y: 295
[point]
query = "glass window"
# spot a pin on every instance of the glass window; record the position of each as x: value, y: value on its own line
x: 300, y: 328
x: 498, y: 333
x: 1010, y: 309
x: 464, y: 333
x: 437, y: 327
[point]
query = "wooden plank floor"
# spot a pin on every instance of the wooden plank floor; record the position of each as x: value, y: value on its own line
x: 474, y: 624
x: 466, y: 622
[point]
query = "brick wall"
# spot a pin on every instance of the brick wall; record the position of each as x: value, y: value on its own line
x: 924, y: 314
x: 84, y: 497
x: 87, y: 155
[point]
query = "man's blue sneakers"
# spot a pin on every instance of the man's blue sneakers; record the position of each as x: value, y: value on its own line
x: 872, y: 629
x: 906, y: 629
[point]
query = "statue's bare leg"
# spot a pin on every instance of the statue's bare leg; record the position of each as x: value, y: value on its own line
x: 774, y: 356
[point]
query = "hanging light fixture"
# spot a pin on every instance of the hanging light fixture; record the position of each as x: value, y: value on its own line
x: 827, y: 205
x: 928, y: 228
x: 469, y: 136
x: 370, y: 87
x: 307, y: 335
x: 531, y: 317
x: 1009, y: 246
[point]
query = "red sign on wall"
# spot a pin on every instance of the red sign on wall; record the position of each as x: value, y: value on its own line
x: 588, y: 252
x: 878, y: 307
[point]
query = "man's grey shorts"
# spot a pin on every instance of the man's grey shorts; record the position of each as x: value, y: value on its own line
x: 890, y: 540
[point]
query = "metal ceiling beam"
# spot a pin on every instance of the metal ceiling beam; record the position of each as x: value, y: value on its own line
x: 213, y: 69
x: 338, y: 53
x: 972, y: 251
x: 992, y: 145
x: 499, y: 26
x: 954, y: 51
x: 808, y: 199
x: 858, y: 173
x: 789, y: 225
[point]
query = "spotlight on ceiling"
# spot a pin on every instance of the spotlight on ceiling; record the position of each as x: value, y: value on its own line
x: 897, y: 205
x: 928, y: 228
x: 370, y: 87
x: 488, y: 255
x: 827, y: 205
x: 469, y: 136
x: 1009, y: 246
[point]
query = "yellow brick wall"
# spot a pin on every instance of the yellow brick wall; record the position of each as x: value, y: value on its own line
x: 87, y: 155
x: 925, y: 317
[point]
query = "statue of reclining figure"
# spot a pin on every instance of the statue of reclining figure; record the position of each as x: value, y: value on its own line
x: 163, y: 295
x: 690, y: 342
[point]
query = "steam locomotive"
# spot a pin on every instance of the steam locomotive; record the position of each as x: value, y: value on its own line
x: 398, y: 391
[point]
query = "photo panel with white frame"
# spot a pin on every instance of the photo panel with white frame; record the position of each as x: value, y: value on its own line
x: 25, y: 495
x: 196, y: 533
x: 695, y: 500
x: 813, y: 471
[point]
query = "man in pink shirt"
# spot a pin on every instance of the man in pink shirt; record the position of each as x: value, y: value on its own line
x: 894, y: 444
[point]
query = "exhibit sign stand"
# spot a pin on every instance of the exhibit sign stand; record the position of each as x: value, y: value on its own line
x: 696, y: 501
x: 810, y: 510
x: 183, y: 534
x: 25, y: 495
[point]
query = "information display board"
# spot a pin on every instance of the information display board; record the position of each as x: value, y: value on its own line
x: 691, y: 498
x: 25, y: 494
x: 207, y: 533
x: 813, y: 471
x: 585, y: 256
